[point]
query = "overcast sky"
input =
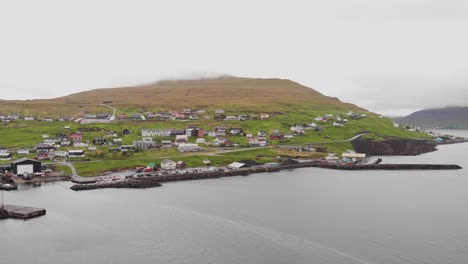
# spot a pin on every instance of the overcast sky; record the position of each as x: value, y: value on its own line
x: 391, y: 57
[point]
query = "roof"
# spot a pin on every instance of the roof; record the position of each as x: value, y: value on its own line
x: 22, y: 160
x: 354, y: 155
x: 236, y: 165
x: 166, y: 161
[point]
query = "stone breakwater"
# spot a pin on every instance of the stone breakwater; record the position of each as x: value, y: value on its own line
x: 155, y: 181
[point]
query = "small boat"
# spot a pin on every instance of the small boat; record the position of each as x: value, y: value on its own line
x: 8, y: 187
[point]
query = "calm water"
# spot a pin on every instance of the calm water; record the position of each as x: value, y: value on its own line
x: 301, y: 216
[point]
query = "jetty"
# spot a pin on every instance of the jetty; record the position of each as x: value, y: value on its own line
x: 21, y: 212
x: 154, y: 180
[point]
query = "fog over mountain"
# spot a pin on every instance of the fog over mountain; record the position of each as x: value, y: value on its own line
x: 392, y: 57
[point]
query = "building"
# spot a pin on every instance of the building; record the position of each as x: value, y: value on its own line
x: 236, y: 165
x: 166, y: 144
x: 146, y: 143
x: 188, y: 147
x: 28, y: 166
x: 23, y: 151
x: 45, y: 151
x: 5, y: 156
x: 180, y: 139
x: 127, y: 148
x: 99, y: 141
x: 76, y: 153
x: 168, y: 164
x: 181, y: 164
x: 351, y: 157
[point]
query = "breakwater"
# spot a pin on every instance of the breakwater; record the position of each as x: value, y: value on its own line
x: 153, y: 180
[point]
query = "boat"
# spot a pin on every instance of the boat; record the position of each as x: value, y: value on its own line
x: 8, y: 186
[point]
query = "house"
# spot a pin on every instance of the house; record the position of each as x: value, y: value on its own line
x: 220, y: 129
x: 5, y: 156
x: 23, y: 151
x: 117, y: 141
x: 174, y: 112
x: 146, y: 144
x: 126, y: 132
x: 122, y: 116
x: 181, y: 139
x: 288, y: 136
x: 136, y: 116
x: 337, y: 124
x: 163, y: 116
x: 242, y: 117
x: 25, y: 166
x: 201, y: 141
x: 332, y: 157
x: 65, y: 142
x: 264, y: 116
x: 60, y: 136
x: 65, y: 119
x: 318, y: 119
x: 207, y: 162
x: 236, y: 131
x: 276, y: 136
x: 254, y: 142
x: 151, y: 116
x: 127, y: 148
x: 231, y: 118
x: 186, y: 111
x: 175, y: 132
x: 313, y: 125
x: 145, y: 132
x: 44, y: 136
x: 236, y: 165
x: 166, y: 144
x: 99, y: 141
x: 60, y: 153
x: 45, y: 151
x: 249, y: 135
x: 219, y: 111
x: 49, y: 141
x: 219, y: 117
x: 201, y: 133
x: 188, y: 147
x: 79, y: 153
x: 168, y: 164
x: 261, y: 133
x: 80, y: 144
x: 92, y: 148
x: 201, y: 111
x: 181, y: 164
x: 179, y: 116
x: 48, y: 119
x: 351, y: 157
x: 29, y: 118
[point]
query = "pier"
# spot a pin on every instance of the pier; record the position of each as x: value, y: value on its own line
x: 21, y: 212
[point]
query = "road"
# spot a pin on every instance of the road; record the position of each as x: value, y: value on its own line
x: 112, y: 118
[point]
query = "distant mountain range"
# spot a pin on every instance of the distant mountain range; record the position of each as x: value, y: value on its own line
x: 449, y: 118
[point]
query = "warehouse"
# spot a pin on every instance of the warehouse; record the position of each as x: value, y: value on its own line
x: 19, y: 167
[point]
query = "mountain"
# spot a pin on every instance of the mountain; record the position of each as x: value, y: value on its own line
x: 239, y: 94
x: 450, y: 117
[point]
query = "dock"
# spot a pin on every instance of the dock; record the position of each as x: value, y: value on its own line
x: 23, y: 212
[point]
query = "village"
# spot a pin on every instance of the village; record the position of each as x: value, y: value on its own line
x: 89, y: 139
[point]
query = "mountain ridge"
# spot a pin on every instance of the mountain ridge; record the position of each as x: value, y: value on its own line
x: 455, y: 117
x: 238, y: 93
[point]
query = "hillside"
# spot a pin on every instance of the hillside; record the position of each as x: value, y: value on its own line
x: 230, y: 93
x: 451, y: 117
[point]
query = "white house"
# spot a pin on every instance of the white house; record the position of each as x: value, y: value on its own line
x: 188, y: 147
x: 5, y: 156
x: 168, y: 164
x: 23, y: 152
x: 29, y: 118
x: 145, y: 132
x: 80, y: 144
x: 264, y: 116
x: 201, y: 141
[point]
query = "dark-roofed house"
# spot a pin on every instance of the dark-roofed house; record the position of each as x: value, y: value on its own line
x: 21, y: 166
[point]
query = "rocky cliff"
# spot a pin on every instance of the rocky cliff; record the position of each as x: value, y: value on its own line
x: 393, y: 146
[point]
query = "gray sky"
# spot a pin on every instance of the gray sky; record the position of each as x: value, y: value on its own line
x: 391, y: 56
